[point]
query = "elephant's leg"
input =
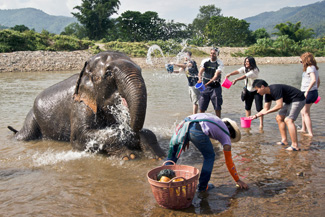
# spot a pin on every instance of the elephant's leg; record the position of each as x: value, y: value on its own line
x: 150, y: 145
x: 30, y: 130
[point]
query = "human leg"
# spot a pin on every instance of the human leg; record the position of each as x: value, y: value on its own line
x: 194, y: 96
x: 292, y: 132
x: 216, y: 99
x: 203, y: 144
x: 204, y: 100
x: 303, y: 124
x: 295, y: 109
x: 282, y: 128
x: 307, y: 119
x: 259, y: 106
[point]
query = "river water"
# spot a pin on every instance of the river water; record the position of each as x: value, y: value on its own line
x: 49, y: 178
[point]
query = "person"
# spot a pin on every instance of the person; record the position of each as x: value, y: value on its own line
x: 198, y: 129
x: 210, y: 73
x: 190, y: 67
x: 289, y: 102
x: 309, y: 86
x: 250, y: 71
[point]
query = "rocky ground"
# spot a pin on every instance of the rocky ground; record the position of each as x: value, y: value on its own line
x: 65, y: 61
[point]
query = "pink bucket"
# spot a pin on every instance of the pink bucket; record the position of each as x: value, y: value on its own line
x: 226, y: 83
x: 317, y: 100
x: 245, y: 122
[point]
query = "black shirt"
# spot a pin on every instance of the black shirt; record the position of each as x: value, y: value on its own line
x: 288, y: 93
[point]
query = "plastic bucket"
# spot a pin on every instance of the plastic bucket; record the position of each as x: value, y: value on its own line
x: 226, y: 83
x: 245, y: 122
x: 317, y: 100
x: 200, y: 86
x: 169, y: 67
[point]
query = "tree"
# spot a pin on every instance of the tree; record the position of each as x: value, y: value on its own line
x: 293, y: 31
x: 260, y: 33
x: 94, y: 15
x: 135, y: 26
x: 20, y: 28
x: 228, y: 31
x: 202, y: 19
x: 75, y: 29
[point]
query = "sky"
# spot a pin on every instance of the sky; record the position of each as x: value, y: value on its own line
x: 176, y: 10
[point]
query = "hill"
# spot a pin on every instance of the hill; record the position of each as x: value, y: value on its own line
x: 34, y: 19
x: 310, y: 16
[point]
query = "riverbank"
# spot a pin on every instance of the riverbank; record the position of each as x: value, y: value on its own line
x: 25, y: 61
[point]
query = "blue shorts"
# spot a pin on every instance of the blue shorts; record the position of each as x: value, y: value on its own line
x: 312, y: 96
x: 213, y: 94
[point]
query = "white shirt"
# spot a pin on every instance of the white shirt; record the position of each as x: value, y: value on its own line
x: 251, y: 76
x: 306, y: 78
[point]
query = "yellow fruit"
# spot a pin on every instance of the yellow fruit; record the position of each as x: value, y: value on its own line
x: 164, y: 179
x: 178, y: 180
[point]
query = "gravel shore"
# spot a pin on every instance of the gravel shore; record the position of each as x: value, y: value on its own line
x: 25, y: 61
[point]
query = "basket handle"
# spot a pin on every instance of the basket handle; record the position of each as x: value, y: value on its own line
x: 178, y: 177
x: 168, y: 161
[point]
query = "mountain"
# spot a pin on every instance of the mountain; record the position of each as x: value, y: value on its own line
x: 310, y: 16
x: 35, y: 19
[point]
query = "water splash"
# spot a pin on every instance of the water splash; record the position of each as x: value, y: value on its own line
x: 121, y: 129
x: 150, y: 53
x: 50, y: 157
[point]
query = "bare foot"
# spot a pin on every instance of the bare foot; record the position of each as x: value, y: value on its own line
x: 301, y: 131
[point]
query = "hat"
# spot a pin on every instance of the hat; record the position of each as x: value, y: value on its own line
x: 233, y: 124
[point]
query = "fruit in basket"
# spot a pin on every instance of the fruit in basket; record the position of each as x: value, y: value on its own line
x: 178, y: 180
x: 164, y: 179
x: 166, y: 172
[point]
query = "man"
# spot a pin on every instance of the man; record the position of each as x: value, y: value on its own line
x: 289, y: 101
x: 210, y: 74
x: 198, y: 129
x: 192, y: 76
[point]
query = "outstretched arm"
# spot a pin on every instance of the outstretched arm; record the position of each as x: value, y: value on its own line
x: 231, y: 167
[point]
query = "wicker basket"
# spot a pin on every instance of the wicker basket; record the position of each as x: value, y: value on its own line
x: 174, y: 195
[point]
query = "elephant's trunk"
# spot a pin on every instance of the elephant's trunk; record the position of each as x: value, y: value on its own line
x: 131, y: 86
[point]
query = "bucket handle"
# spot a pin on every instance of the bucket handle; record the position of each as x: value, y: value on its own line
x: 168, y: 161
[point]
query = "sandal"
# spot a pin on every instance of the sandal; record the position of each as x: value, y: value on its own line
x: 281, y: 143
x: 292, y: 149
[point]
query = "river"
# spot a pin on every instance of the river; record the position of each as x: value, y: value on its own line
x: 49, y: 178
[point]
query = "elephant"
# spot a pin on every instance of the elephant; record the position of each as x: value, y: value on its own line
x: 101, y: 109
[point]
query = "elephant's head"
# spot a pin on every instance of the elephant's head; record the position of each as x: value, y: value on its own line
x: 106, y: 74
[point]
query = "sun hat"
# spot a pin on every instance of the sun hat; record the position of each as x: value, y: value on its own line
x: 233, y: 124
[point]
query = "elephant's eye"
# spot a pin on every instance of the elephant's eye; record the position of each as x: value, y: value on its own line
x: 108, y: 73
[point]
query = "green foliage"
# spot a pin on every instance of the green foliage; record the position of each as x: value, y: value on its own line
x: 75, y: 29
x: 95, y: 15
x: 11, y: 41
x: 135, y: 26
x: 293, y: 31
x: 259, y: 34
x: 284, y: 46
x: 228, y: 31
x: 20, y: 28
x: 134, y: 49
x: 202, y: 19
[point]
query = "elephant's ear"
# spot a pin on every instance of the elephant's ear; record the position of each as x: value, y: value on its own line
x: 91, y: 103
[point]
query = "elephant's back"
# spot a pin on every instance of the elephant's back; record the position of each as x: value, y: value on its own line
x: 52, y: 108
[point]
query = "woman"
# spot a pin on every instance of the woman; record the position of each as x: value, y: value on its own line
x: 250, y: 71
x: 309, y: 85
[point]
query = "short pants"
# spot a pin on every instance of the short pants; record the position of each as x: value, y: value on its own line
x: 312, y: 96
x: 292, y: 110
x: 194, y: 94
x: 213, y: 94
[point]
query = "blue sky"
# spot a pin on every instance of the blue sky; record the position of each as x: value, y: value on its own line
x: 177, y: 10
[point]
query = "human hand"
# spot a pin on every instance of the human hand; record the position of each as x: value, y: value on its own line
x: 172, y: 63
x: 306, y: 93
x: 241, y: 184
x: 234, y: 82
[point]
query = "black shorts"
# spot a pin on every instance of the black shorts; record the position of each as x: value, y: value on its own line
x: 312, y: 96
x: 213, y: 94
x: 249, y: 101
